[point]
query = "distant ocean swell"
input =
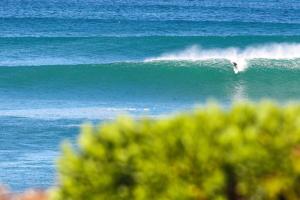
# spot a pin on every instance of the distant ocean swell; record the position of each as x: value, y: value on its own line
x: 66, y: 27
x: 26, y: 51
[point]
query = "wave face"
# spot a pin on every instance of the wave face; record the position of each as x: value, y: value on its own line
x: 153, y: 83
x: 155, y: 71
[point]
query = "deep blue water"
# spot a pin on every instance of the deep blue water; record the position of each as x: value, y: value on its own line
x: 63, y: 63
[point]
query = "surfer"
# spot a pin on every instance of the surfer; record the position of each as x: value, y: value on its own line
x: 235, y: 67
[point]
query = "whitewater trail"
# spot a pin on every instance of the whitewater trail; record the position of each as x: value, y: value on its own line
x: 276, y: 51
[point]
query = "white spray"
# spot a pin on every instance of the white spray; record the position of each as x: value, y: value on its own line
x: 234, y: 54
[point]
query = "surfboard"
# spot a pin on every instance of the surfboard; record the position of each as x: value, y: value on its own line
x: 235, y: 69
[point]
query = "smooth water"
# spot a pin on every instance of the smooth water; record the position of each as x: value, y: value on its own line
x: 63, y: 63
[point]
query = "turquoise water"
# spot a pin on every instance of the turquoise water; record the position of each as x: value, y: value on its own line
x: 65, y: 63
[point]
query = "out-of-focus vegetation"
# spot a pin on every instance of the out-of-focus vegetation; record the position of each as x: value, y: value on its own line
x: 248, y: 151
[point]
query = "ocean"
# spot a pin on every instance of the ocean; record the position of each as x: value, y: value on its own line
x: 63, y: 63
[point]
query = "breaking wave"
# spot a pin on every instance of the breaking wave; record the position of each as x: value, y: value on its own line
x: 241, y: 56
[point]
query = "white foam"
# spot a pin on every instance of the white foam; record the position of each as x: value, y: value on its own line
x: 73, y: 113
x: 234, y: 54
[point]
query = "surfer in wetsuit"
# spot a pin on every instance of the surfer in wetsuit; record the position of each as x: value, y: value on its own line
x: 235, y: 66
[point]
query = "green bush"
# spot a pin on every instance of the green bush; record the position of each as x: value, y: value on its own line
x: 248, y: 151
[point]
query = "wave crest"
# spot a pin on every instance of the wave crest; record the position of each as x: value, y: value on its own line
x: 276, y: 51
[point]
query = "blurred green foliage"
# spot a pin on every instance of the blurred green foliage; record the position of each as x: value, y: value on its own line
x: 248, y: 151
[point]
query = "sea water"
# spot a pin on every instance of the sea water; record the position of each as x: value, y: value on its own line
x: 63, y: 63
